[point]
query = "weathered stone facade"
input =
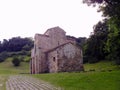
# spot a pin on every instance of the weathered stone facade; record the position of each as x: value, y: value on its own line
x: 54, y: 52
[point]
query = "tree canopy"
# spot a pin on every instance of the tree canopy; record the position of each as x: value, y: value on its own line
x: 16, y: 44
x: 94, y: 48
x: 110, y: 9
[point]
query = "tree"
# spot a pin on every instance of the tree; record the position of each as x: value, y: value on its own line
x: 110, y: 9
x: 94, y: 49
x: 81, y: 41
x: 4, y: 45
x: 16, y: 44
x: 113, y: 42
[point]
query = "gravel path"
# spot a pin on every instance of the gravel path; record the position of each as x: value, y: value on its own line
x: 19, y: 82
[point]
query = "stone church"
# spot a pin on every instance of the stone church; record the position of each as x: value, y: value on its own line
x: 55, y: 52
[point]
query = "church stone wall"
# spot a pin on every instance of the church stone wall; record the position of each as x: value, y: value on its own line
x: 54, y: 52
x: 65, y: 59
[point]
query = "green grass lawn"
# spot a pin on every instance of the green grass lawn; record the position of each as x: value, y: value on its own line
x: 3, y: 79
x: 99, y: 76
x: 102, y: 66
x: 7, y: 69
x: 105, y: 76
x: 84, y: 81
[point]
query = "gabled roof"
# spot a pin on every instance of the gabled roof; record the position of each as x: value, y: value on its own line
x: 50, y: 50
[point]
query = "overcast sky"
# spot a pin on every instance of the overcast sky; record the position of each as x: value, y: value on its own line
x: 26, y: 17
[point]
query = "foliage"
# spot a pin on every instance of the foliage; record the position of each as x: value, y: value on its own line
x: 95, y: 45
x: 16, y: 44
x: 80, y: 40
x: 24, y: 58
x: 113, y: 42
x: 22, y: 55
x: 27, y: 59
x: 110, y: 9
x: 3, y: 56
x: 16, y: 61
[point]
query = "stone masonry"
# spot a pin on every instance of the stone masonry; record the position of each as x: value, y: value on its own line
x: 54, y: 52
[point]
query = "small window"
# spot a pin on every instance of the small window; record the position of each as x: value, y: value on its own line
x: 54, y: 59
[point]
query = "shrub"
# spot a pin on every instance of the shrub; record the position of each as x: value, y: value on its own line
x: 16, y: 61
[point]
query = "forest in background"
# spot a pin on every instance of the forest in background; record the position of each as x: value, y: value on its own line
x: 18, y: 48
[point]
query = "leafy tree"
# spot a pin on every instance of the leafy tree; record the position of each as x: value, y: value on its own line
x: 4, y: 45
x: 110, y: 9
x: 113, y: 42
x: 16, y: 44
x: 94, y: 49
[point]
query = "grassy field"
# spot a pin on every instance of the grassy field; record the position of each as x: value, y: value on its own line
x: 3, y: 79
x: 84, y: 81
x: 99, y: 76
x: 102, y: 66
x: 7, y: 69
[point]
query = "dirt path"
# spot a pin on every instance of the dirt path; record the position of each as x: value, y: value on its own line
x: 19, y: 82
